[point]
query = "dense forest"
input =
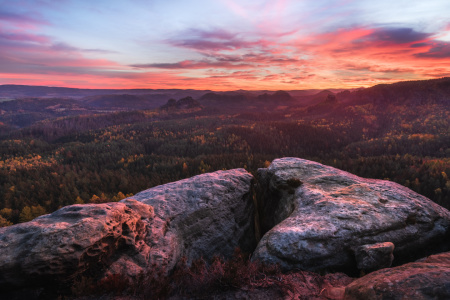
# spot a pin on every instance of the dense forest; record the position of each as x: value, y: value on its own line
x: 73, y: 154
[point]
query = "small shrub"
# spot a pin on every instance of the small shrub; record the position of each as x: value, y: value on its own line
x: 153, y: 285
x: 199, y: 280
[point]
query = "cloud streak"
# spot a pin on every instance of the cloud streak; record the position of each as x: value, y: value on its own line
x: 188, y: 64
x: 209, y: 40
x: 22, y: 19
x: 436, y: 50
x: 396, y: 36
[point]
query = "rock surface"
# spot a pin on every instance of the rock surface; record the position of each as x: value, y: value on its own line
x: 71, y: 241
x: 202, y: 216
x: 317, y: 216
x: 375, y: 256
x: 428, y: 279
x: 313, y: 217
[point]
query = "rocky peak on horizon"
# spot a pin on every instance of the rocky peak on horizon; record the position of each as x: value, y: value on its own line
x: 183, y: 103
x: 278, y: 96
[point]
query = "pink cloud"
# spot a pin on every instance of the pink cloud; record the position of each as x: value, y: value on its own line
x: 23, y: 52
x: 22, y: 20
x: 23, y: 37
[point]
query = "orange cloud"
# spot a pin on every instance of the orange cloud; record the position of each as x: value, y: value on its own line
x: 372, y: 56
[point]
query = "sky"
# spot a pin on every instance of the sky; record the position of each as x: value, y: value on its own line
x: 223, y: 44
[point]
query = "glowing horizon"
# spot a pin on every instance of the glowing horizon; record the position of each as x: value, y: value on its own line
x: 222, y: 45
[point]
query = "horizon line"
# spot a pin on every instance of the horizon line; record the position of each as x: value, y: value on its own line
x: 249, y: 90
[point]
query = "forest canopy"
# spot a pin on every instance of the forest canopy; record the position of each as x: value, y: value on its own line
x: 94, y: 157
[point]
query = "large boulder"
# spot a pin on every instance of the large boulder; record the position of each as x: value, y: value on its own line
x: 316, y: 217
x: 203, y: 216
x: 427, y: 279
x: 75, y: 240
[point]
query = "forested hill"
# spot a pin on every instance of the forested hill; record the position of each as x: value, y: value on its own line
x: 435, y: 91
x: 18, y: 91
x: 58, y: 151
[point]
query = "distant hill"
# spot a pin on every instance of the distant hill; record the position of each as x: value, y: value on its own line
x: 327, y: 101
x: 409, y: 93
x: 313, y: 99
x: 414, y: 93
x: 19, y: 91
x: 184, y: 103
x: 223, y: 98
x: 22, y: 106
x: 244, y: 99
x: 279, y: 97
x: 26, y: 111
x: 126, y: 101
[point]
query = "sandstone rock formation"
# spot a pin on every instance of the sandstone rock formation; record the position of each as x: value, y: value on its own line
x: 202, y: 216
x: 427, y: 279
x: 73, y: 240
x: 313, y: 217
x: 317, y: 216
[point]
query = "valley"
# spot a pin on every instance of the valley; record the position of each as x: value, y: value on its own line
x: 92, y: 146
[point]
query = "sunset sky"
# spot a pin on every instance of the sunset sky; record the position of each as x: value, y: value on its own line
x: 223, y: 44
